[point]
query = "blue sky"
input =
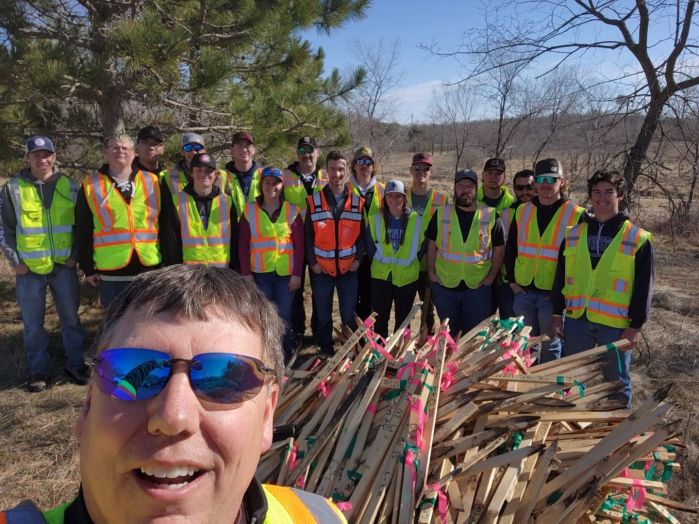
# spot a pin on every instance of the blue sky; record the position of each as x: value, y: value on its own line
x: 444, y: 22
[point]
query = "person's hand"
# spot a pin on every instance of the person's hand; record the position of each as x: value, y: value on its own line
x: 487, y: 281
x: 294, y: 283
x: 355, y: 266
x: 557, y: 326
x: 632, y: 335
x: 71, y: 263
x: 21, y: 269
x: 317, y: 268
x: 516, y: 288
x: 433, y: 277
x: 93, y: 280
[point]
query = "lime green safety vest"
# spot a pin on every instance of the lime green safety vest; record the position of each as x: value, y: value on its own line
x: 294, y: 190
x: 374, y: 206
x: 537, y: 254
x: 403, y: 267
x: 121, y: 228
x: 506, y: 217
x: 44, y: 238
x: 603, y: 294
x: 434, y: 201
x: 210, y: 246
x: 506, y: 201
x: 468, y: 260
x: 271, y: 248
x: 235, y: 190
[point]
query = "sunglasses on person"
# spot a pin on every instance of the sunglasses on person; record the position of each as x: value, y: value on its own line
x: 188, y: 148
x: 305, y: 150
x: 421, y: 168
x: 139, y: 374
x: 367, y: 162
x: 545, y: 179
x: 526, y: 187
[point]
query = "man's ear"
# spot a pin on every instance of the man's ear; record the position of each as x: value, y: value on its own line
x: 268, y: 421
x: 82, y: 418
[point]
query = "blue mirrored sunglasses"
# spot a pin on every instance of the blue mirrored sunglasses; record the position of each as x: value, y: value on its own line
x: 364, y: 162
x: 188, y: 148
x: 139, y: 374
x: 545, y: 179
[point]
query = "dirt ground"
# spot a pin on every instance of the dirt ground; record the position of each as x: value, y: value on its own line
x: 38, y: 455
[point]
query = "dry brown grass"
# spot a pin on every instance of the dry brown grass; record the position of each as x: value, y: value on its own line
x: 38, y: 456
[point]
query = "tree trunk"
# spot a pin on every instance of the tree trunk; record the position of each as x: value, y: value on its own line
x: 111, y: 107
x: 637, y: 153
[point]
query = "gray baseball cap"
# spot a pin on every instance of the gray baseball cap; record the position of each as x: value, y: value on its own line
x: 192, y: 138
x: 395, y: 186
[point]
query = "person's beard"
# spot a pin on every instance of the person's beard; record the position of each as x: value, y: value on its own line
x: 464, y: 200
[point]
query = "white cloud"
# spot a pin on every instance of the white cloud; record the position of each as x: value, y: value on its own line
x: 413, y: 101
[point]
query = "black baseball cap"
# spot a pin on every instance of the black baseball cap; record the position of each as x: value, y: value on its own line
x: 466, y: 174
x: 150, y: 132
x: 494, y: 163
x: 203, y: 160
x: 307, y: 141
x: 548, y: 166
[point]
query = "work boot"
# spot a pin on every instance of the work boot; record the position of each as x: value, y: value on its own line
x: 37, y: 383
x: 79, y: 376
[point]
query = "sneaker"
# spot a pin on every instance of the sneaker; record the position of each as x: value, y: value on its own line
x: 79, y: 376
x: 37, y: 383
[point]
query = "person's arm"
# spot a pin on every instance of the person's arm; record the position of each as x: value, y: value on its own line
x: 369, y: 243
x: 84, y: 233
x: 498, y: 243
x: 361, y: 241
x: 234, y: 259
x: 511, y: 252
x: 297, y: 239
x: 169, y: 224
x: 8, y: 231
x: 557, y: 299
x: 244, y: 246
x: 309, y: 241
x: 642, y: 293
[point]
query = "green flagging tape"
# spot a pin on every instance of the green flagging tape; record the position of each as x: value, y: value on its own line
x: 651, y: 471
x: 350, y: 448
x: 611, y: 347
x: 390, y: 395
x: 560, y: 380
x: 311, y: 440
x: 483, y: 333
x: 353, y: 474
x: 339, y: 497
x: 553, y: 498
x: 517, y: 438
x: 667, y: 471
x: 581, y: 388
x: 669, y: 448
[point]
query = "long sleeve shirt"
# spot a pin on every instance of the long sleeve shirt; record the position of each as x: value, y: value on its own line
x: 599, y: 236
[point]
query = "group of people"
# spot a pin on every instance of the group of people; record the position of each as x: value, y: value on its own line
x: 583, y: 278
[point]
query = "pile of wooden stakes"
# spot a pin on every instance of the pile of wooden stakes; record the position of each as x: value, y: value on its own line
x: 467, y: 431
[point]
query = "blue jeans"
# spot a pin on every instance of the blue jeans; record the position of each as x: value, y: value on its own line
x: 31, y: 296
x: 580, y: 335
x: 323, y: 286
x: 464, y: 308
x: 110, y: 289
x: 537, y: 310
x: 276, y: 289
x: 506, y: 298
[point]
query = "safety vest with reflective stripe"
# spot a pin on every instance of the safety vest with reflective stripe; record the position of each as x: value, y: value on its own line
x: 506, y: 216
x: 210, y: 246
x: 294, y: 506
x: 403, y: 266
x: 176, y: 180
x: 121, y: 228
x: 602, y: 294
x: 271, y: 248
x: 376, y: 197
x: 537, y: 254
x: 295, y: 191
x: 506, y: 201
x: 469, y: 260
x: 434, y: 202
x: 335, y: 244
x: 43, y: 238
x: 235, y: 190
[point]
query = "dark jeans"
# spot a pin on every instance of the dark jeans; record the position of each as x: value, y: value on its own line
x: 31, y: 296
x: 465, y: 308
x: 276, y: 289
x: 323, y: 286
x: 110, y: 289
x: 580, y: 335
x: 383, y: 295
x: 364, y: 304
x: 422, y: 282
x: 506, y: 299
x: 536, y: 308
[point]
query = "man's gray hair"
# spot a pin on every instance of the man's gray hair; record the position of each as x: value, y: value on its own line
x: 197, y: 293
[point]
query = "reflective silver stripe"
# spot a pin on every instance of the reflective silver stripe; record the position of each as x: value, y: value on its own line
x: 193, y: 241
x: 317, y: 200
x: 101, y: 198
x: 146, y: 237
x: 322, y: 253
x: 616, y: 310
x: 43, y: 230
x: 261, y: 244
x: 350, y: 251
x: 628, y: 246
x: 467, y: 259
x: 253, y: 218
x: 575, y: 302
x: 526, y: 216
x: 446, y: 228
x: 566, y: 217
x: 318, y: 507
x: 321, y: 215
x: 351, y: 215
x: 34, y: 254
x: 151, y: 197
x: 620, y: 285
x: 111, y: 238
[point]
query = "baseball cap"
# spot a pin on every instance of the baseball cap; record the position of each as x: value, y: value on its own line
x: 494, y: 163
x: 395, y: 186
x: 548, y: 166
x: 364, y: 151
x: 272, y: 171
x: 150, y: 132
x: 242, y: 135
x: 203, y: 160
x: 422, y: 158
x: 192, y: 138
x: 466, y: 174
x: 307, y: 141
x: 39, y: 143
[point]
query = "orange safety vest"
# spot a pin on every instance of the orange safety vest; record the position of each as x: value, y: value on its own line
x: 335, y: 244
x: 271, y: 248
x: 121, y: 228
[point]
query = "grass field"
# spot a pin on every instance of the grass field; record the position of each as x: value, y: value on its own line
x: 38, y: 456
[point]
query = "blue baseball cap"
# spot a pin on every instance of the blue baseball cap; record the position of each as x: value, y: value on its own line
x: 272, y: 171
x: 39, y: 143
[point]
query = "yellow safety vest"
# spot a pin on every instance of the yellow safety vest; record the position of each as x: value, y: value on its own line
x: 374, y: 206
x: 43, y: 238
x: 403, y: 266
x: 294, y: 190
x: 468, y: 260
x: 434, y: 202
x: 506, y: 217
x: 294, y: 506
x: 537, y: 254
x: 271, y: 248
x: 506, y: 201
x: 176, y: 180
x: 210, y: 246
x: 121, y: 228
x: 235, y: 190
x: 603, y: 294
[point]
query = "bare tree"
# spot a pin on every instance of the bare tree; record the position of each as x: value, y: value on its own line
x: 660, y: 37
x: 453, y: 107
